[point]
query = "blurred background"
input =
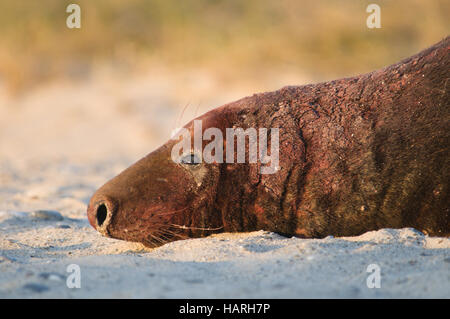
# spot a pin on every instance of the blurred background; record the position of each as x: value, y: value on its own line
x: 136, y: 70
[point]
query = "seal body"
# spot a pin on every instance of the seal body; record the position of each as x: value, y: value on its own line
x: 355, y: 154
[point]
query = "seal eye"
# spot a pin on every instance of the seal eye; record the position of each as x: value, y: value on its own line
x: 190, y: 159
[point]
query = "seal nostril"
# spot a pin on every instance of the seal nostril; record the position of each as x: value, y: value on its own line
x: 102, y: 212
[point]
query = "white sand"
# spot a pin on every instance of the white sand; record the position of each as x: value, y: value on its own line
x: 61, y: 142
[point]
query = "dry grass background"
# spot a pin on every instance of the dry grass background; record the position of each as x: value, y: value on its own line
x: 233, y: 39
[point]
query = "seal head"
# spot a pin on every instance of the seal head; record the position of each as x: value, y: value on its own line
x: 157, y: 199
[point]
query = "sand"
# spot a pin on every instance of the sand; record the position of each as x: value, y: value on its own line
x: 61, y: 141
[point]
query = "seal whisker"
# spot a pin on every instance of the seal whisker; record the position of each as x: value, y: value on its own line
x: 180, y: 235
x: 149, y: 243
x: 196, y: 228
x: 171, y: 233
x: 163, y: 233
x: 159, y: 239
x: 162, y: 236
x: 181, y: 114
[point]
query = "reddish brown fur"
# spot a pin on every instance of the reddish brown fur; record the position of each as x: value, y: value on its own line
x: 356, y: 154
